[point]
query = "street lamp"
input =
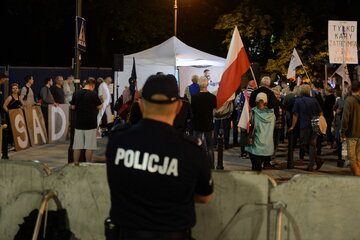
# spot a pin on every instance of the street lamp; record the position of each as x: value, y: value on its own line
x: 175, y: 17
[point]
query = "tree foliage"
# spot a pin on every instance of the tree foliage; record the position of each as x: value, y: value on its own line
x: 275, y: 30
x: 255, y: 28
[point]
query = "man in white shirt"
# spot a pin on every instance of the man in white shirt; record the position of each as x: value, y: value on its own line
x: 69, y: 88
x: 105, y: 96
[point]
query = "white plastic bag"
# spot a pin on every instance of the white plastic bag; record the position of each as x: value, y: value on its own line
x: 344, y: 154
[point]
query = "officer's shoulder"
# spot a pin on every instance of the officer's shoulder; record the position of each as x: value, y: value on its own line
x: 118, y: 128
x: 192, y: 140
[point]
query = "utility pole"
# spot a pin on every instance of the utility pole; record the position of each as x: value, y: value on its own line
x: 77, y: 58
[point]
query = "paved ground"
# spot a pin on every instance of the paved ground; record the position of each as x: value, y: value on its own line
x: 55, y: 155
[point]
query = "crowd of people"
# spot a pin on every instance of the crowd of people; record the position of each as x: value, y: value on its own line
x: 60, y: 91
x: 283, y: 112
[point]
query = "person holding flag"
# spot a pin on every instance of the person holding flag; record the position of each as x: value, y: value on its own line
x: 242, y: 107
x: 263, y: 123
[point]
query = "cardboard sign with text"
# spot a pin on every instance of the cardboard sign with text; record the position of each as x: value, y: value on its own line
x: 343, y: 46
x: 58, y: 122
x: 19, y: 129
x: 35, y: 125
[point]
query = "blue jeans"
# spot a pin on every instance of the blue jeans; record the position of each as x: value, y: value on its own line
x: 207, y: 143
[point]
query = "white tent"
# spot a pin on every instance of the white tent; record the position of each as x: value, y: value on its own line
x: 166, y: 57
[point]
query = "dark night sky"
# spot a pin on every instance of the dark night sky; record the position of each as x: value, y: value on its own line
x: 41, y: 32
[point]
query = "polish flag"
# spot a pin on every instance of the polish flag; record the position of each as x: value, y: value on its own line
x: 237, y: 63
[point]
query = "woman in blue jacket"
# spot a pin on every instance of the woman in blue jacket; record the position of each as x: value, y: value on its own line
x: 264, y: 123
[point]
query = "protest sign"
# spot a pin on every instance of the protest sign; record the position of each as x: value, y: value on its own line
x: 58, y: 122
x: 343, y: 42
x: 19, y: 130
x: 35, y: 125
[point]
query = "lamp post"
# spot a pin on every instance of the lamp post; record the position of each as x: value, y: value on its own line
x: 175, y: 17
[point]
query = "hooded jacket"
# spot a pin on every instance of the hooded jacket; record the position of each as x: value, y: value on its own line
x: 264, y: 130
x: 350, y: 124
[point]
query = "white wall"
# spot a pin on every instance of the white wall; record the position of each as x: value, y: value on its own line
x: 142, y: 71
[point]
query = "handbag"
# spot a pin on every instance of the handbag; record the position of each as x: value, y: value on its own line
x: 251, y: 134
x: 318, y: 123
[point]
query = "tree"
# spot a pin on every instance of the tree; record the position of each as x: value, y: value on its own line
x: 255, y: 29
x: 296, y: 32
x: 125, y: 26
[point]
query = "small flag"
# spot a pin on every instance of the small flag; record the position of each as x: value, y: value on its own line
x: 245, y: 114
x: 294, y: 62
x: 132, y: 79
x: 343, y: 72
x: 237, y: 63
x: 133, y: 71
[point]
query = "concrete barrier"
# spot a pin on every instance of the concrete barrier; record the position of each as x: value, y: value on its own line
x: 84, y: 193
x: 21, y: 188
x: 320, y: 207
x: 237, y: 210
x: 317, y: 207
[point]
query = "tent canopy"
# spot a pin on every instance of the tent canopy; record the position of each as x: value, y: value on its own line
x: 173, y: 52
x: 167, y: 57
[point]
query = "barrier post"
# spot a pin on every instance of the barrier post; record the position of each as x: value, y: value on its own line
x: 5, y: 134
x: 220, y: 147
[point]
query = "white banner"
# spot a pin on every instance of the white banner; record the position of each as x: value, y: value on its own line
x: 343, y: 42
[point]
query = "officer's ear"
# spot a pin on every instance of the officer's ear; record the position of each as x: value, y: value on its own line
x: 141, y: 106
x: 179, y: 106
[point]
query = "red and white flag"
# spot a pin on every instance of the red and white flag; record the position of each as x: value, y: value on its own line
x: 237, y: 63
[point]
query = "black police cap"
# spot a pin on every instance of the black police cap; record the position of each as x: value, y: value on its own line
x: 165, y: 85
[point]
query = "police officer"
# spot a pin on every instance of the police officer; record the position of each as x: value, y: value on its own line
x: 155, y: 173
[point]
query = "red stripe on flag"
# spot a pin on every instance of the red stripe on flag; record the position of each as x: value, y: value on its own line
x: 231, y: 78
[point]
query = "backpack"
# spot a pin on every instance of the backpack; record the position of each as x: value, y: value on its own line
x: 27, y: 92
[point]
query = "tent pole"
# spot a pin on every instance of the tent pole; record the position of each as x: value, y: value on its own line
x: 175, y: 17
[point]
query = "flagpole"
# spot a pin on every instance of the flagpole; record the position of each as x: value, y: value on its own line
x: 332, y: 75
x: 326, y: 72
x: 305, y: 71
x: 253, y: 75
x: 343, y: 60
